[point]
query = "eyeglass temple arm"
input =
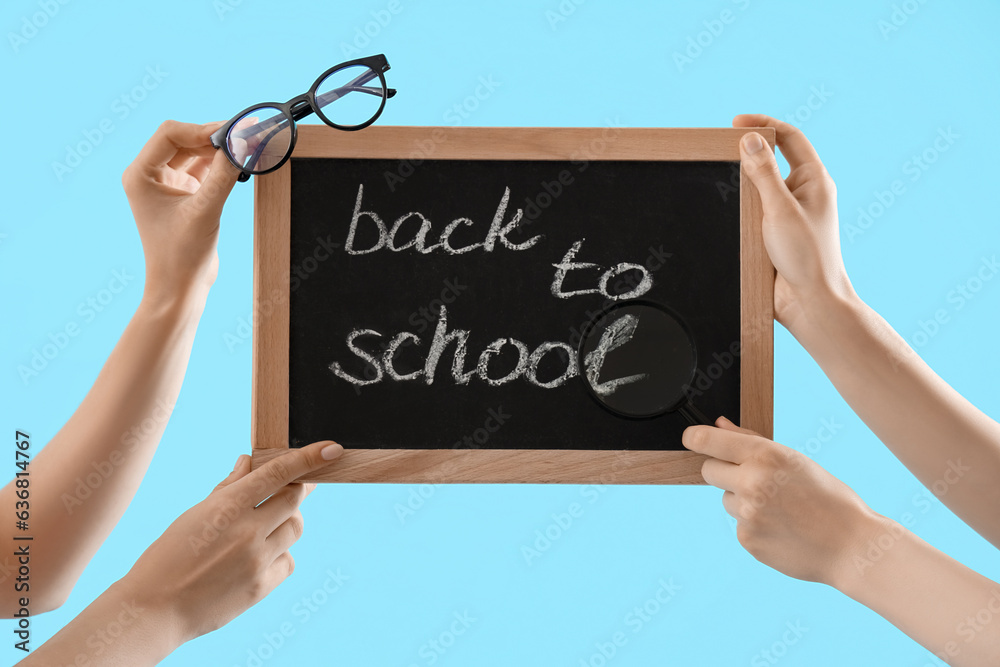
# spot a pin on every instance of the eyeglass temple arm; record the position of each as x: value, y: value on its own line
x: 337, y: 93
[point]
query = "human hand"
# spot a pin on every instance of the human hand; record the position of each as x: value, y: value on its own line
x: 229, y: 551
x: 800, y: 225
x: 791, y: 514
x: 176, y: 188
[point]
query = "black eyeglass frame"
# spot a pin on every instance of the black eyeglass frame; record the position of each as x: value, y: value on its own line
x: 301, y: 106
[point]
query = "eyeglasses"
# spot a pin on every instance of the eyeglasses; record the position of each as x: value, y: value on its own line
x: 261, y: 138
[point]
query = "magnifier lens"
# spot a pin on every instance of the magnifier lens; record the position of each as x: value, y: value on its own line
x: 637, y: 359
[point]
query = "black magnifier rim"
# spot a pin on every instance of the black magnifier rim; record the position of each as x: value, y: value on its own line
x: 592, y: 324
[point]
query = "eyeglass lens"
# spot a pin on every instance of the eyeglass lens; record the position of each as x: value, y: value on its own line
x: 358, y: 94
x: 261, y: 138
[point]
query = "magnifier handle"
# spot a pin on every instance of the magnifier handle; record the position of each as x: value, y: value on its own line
x: 694, y: 415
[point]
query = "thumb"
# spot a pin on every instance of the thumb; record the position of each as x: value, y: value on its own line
x: 218, y: 184
x: 726, y: 425
x: 241, y: 469
x: 762, y: 168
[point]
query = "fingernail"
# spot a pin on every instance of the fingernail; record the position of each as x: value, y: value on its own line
x: 726, y: 420
x: 331, y: 451
x: 752, y: 143
x: 237, y: 464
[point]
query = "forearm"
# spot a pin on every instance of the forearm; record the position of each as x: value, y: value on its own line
x: 88, y: 473
x: 116, y: 629
x: 950, y: 445
x: 937, y: 601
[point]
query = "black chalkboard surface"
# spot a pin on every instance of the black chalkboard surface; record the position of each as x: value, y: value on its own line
x: 427, y: 291
x: 666, y: 216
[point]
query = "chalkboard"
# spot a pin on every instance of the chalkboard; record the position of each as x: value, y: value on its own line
x: 421, y: 295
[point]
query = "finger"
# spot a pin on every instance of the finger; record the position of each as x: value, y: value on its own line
x: 180, y: 160
x: 762, y: 168
x: 718, y: 443
x: 731, y: 504
x: 286, y: 468
x: 184, y: 157
x: 241, y: 469
x: 275, y: 510
x: 217, y: 183
x: 199, y: 168
x: 725, y: 424
x: 279, y: 570
x: 179, y: 180
x: 284, y: 536
x: 171, y: 137
x: 793, y: 143
x: 721, y: 474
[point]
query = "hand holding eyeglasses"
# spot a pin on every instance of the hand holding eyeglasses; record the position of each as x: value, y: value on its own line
x: 176, y: 188
x: 261, y: 138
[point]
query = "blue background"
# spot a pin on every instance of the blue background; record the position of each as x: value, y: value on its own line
x: 886, y: 97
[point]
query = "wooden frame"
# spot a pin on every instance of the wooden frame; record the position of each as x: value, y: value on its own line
x: 272, y: 226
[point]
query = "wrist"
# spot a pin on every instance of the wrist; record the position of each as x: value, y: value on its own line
x: 171, y: 281
x: 808, y: 312
x: 147, y: 616
x: 175, y: 301
x: 871, y: 537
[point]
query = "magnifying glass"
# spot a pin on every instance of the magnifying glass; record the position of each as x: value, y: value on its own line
x: 637, y: 358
